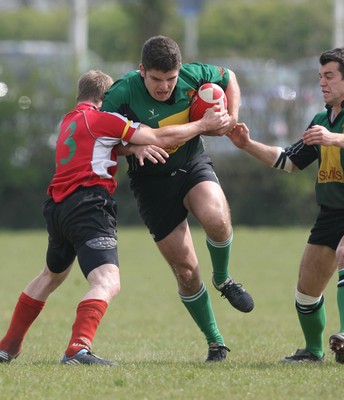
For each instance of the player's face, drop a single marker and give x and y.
(331, 84)
(160, 85)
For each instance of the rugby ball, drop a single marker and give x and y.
(208, 95)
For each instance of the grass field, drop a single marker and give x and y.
(147, 330)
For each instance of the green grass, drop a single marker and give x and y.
(148, 331)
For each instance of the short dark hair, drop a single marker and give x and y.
(161, 53)
(336, 55)
(92, 86)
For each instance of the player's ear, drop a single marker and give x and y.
(142, 70)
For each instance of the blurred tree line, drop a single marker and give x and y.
(271, 29)
(36, 92)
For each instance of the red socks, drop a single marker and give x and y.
(25, 312)
(88, 316)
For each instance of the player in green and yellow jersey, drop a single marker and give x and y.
(159, 94)
(323, 142)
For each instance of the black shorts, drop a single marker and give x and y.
(160, 197)
(83, 225)
(328, 228)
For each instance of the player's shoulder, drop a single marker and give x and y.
(199, 66)
(121, 91)
(196, 67)
(126, 80)
(321, 114)
(320, 118)
(203, 73)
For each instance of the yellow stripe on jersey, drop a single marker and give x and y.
(330, 169)
(125, 130)
(175, 119)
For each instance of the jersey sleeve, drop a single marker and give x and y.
(117, 126)
(301, 154)
(128, 131)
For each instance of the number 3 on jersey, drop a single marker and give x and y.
(70, 142)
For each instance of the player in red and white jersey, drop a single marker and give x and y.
(81, 216)
(85, 151)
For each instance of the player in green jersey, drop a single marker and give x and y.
(81, 215)
(323, 142)
(157, 94)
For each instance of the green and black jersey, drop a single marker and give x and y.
(329, 186)
(129, 97)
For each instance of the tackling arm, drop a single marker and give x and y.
(173, 135)
(272, 156)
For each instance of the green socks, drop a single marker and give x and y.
(219, 254)
(200, 308)
(340, 298)
(313, 319)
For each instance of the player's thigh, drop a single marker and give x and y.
(177, 247)
(207, 202)
(317, 266)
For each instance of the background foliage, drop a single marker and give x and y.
(276, 32)
(278, 29)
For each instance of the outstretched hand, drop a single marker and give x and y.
(239, 135)
(152, 153)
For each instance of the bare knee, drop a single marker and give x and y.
(221, 230)
(45, 283)
(218, 224)
(188, 278)
(110, 287)
(53, 279)
(104, 282)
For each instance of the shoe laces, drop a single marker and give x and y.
(232, 287)
(218, 346)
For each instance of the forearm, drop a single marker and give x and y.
(167, 136)
(262, 152)
(336, 139)
(272, 156)
(174, 135)
(233, 96)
